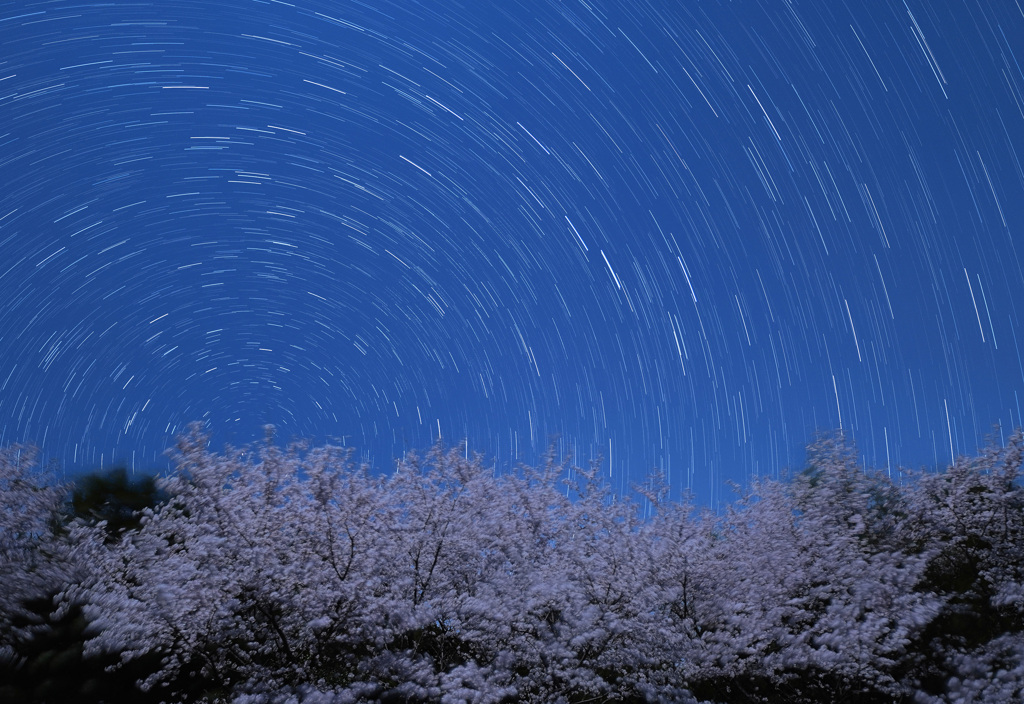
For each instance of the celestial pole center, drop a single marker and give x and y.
(684, 235)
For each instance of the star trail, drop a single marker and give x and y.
(681, 234)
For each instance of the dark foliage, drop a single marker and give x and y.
(115, 499)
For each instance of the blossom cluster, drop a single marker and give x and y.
(293, 575)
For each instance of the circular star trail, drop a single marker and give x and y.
(683, 235)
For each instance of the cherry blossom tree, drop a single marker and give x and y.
(31, 559)
(973, 516)
(291, 574)
(812, 594)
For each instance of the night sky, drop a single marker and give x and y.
(673, 233)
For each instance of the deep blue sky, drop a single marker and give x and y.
(675, 233)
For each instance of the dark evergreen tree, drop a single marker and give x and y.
(45, 659)
(114, 498)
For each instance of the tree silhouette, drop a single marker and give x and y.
(45, 660)
(114, 498)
